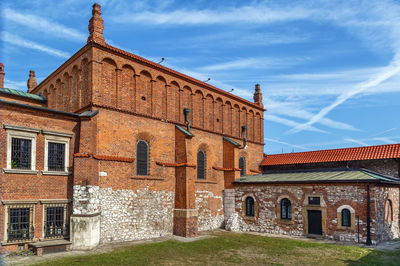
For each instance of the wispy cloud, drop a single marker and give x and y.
(14, 84)
(285, 143)
(255, 63)
(18, 41)
(246, 14)
(42, 24)
(288, 122)
(356, 141)
(383, 75)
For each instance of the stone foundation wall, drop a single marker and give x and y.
(210, 209)
(125, 214)
(387, 213)
(333, 198)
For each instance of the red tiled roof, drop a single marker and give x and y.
(336, 155)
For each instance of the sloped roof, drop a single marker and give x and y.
(318, 175)
(22, 94)
(336, 155)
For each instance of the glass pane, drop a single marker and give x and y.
(21, 153)
(56, 157)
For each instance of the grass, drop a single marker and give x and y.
(230, 248)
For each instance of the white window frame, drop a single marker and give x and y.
(22, 133)
(56, 139)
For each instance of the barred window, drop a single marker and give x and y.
(55, 226)
(201, 165)
(142, 160)
(56, 156)
(286, 209)
(242, 166)
(346, 218)
(19, 225)
(21, 153)
(249, 206)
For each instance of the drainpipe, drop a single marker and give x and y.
(186, 113)
(244, 128)
(368, 243)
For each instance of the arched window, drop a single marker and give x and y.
(142, 158)
(250, 206)
(201, 165)
(346, 217)
(242, 166)
(388, 211)
(286, 209)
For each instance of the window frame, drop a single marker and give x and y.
(243, 169)
(343, 218)
(65, 219)
(17, 205)
(205, 165)
(250, 213)
(147, 159)
(60, 140)
(21, 133)
(285, 209)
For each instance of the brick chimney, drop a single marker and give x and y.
(31, 81)
(2, 75)
(96, 26)
(258, 96)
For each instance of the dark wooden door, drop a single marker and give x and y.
(314, 222)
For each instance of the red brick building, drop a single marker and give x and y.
(114, 147)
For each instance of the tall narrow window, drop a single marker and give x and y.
(142, 160)
(242, 166)
(56, 157)
(201, 165)
(388, 211)
(249, 206)
(346, 220)
(21, 153)
(286, 209)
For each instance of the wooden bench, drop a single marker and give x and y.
(50, 246)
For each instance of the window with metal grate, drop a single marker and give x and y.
(21, 153)
(346, 218)
(56, 156)
(142, 158)
(55, 226)
(242, 166)
(201, 165)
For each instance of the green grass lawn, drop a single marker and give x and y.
(230, 248)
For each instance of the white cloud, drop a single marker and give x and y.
(288, 122)
(43, 25)
(285, 143)
(18, 41)
(247, 14)
(356, 141)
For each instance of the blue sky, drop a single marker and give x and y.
(329, 70)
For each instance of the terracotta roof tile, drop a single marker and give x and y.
(336, 155)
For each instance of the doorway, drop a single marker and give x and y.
(314, 222)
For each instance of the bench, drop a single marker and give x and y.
(50, 246)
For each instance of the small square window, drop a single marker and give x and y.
(314, 201)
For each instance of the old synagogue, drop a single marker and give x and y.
(113, 147)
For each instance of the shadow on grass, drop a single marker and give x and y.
(377, 257)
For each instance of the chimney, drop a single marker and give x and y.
(258, 96)
(2, 75)
(96, 26)
(31, 81)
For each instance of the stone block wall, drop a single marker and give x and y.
(334, 197)
(387, 213)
